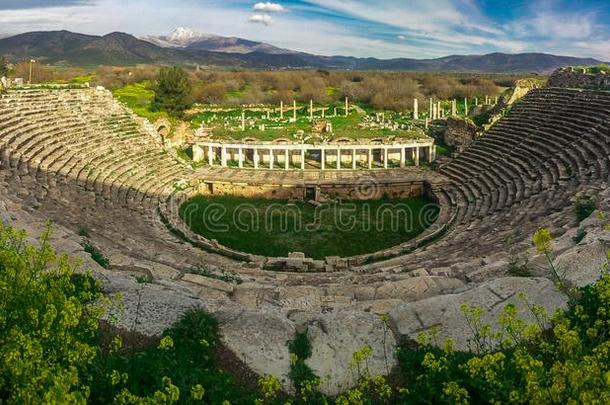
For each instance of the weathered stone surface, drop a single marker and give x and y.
(260, 340)
(583, 264)
(459, 132)
(208, 282)
(149, 308)
(444, 312)
(336, 336)
(414, 288)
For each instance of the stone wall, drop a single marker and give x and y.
(305, 192)
(579, 78)
(519, 90)
(459, 132)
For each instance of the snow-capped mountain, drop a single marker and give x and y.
(181, 37)
(187, 38)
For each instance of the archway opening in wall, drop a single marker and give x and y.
(311, 193)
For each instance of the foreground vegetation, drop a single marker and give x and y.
(278, 227)
(53, 350)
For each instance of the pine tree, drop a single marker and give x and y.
(171, 91)
(3, 66)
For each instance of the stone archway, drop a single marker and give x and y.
(163, 127)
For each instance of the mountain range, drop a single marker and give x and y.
(186, 47)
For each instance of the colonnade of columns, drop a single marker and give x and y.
(327, 156)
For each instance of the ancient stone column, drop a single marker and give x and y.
(303, 159)
(287, 159)
(338, 159)
(240, 158)
(402, 157)
(354, 159)
(294, 110)
(476, 101)
(466, 107)
(223, 156)
(210, 155)
(430, 111)
(370, 159)
(322, 159)
(255, 157)
(335, 112)
(311, 110)
(243, 121)
(453, 107)
(486, 100)
(438, 110)
(427, 122)
(416, 156)
(323, 109)
(268, 114)
(496, 100)
(197, 153)
(434, 112)
(346, 106)
(415, 110)
(281, 110)
(271, 158)
(385, 158)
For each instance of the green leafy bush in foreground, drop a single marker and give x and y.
(181, 368)
(48, 320)
(52, 351)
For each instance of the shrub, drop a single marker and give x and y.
(83, 231)
(48, 321)
(3, 66)
(584, 208)
(580, 235)
(183, 364)
(566, 363)
(97, 255)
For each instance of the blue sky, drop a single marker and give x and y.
(382, 28)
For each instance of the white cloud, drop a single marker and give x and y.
(268, 7)
(428, 32)
(264, 19)
(402, 37)
(548, 24)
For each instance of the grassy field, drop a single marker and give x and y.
(277, 227)
(138, 97)
(342, 126)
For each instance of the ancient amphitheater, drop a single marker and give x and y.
(79, 158)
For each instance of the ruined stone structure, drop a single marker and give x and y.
(81, 159)
(580, 79)
(460, 132)
(331, 155)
